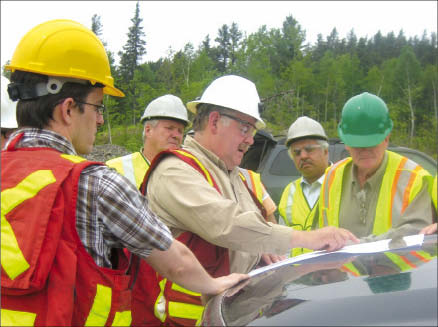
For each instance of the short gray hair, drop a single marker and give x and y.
(151, 122)
(203, 111)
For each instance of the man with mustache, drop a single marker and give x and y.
(200, 196)
(308, 148)
(374, 193)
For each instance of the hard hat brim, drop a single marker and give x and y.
(362, 141)
(192, 107)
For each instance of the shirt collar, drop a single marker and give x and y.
(190, 142)
(375, 179)
(318, 181)
(36, 137)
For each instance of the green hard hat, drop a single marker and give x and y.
(365, 121)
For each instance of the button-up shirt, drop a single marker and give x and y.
(110, 211)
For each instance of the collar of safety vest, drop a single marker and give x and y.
(190, 144)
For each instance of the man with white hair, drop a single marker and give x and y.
(164, 120)
(202, 199)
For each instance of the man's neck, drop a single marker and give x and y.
(149, 153)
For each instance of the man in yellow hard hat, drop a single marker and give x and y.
(374, 193)
(308, 148)
(65, 220)
(199, 194)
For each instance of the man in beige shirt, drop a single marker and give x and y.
(225, 218)
(226, 118)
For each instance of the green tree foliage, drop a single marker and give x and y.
(130, 58)
(294, 78)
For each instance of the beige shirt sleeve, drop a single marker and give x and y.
(185, 201)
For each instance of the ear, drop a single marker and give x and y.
(147, 129)
(65, 110)
(213, 121)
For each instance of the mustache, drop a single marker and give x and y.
(305, 161)
(243, 147)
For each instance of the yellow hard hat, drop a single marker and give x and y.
(64, 48)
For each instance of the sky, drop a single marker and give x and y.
(175, 23)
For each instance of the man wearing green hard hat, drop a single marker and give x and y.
(375, 192)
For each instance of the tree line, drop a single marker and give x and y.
(293, 78)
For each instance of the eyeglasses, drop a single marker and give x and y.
(308, 148)
(100, 108)
(246, 128)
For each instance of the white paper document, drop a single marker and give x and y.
(362, 248)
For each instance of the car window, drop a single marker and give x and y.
(421, 160)
(283, 165)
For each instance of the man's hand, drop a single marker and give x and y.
(272, 258)
(225, 282)
(432, 228)
(328, 238)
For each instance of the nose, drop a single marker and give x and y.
(99, 120)
(250, 139)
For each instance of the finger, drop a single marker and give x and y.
(267, 259)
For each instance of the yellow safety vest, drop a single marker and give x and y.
(253, 181)
(133, 166)
(401, 174)
(295, 210)
(433, 189)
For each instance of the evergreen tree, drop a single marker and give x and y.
(235, 37)
(134, 48)
(130, 58)
(96, 27)
(223, 39)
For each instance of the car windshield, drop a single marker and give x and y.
(336, 284)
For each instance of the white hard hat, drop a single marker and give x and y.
(305, 127)
(166, 106)
(8, 118)
(232, 92)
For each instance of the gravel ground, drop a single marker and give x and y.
(106, 152)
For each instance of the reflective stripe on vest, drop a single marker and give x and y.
(434, 191)
(17, 318)
(295, 210)
(401, 174)
(133, 166)
(407, 260)
(12, 259)
(160, 303)
(101, 308)
(204, 170)
(180, 309)
(432, 183)
(253, 181)
(349, 267)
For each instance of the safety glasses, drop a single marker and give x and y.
(246, 128)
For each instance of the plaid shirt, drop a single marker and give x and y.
(110, 211)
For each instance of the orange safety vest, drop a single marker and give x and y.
(151, 290)
(47, 277)
(169, 302)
